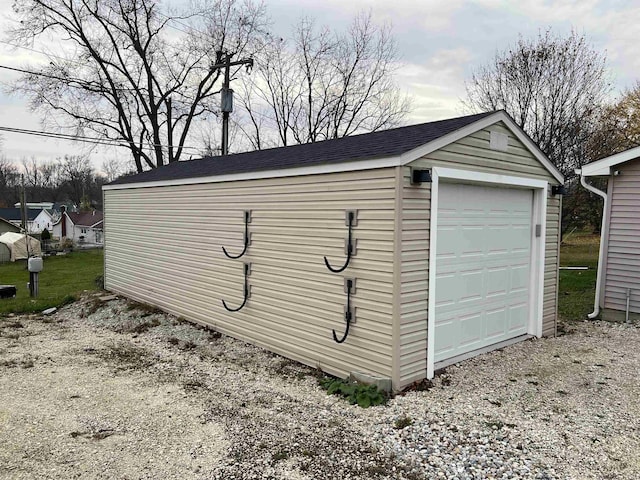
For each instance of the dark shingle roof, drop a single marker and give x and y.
(367, 146)
(14, 213)
(85, 219)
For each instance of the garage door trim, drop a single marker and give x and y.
(540, 188)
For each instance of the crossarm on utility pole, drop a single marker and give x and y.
(227, 93)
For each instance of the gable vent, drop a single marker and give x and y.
(499, 141)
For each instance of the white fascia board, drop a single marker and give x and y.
(603, 166)
(533, 148)
(472, 128)
(445, 140)
(285, 172)
(482, 177)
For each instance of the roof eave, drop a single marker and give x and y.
(356, 165)
(603, 167)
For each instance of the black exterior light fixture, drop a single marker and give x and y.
(559, 190)
(419, 176)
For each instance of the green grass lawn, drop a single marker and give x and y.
(577, 287)
(66, 276)
(63, 277)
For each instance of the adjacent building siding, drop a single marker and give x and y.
(622, 269)
(163, 247)
(473, 153)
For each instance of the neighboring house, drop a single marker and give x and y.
(45, 219)
(454, 227)
(618, 281)
(80, 227)
(7, 226)
(14, 216)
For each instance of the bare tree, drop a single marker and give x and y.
(552, 86)
(31, 172)
(9, 182)
(322, 84)
(114, 167)
(129, 72)
(77, 174)
(618, 128)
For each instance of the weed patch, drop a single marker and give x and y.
(402, 422)
(364, 395)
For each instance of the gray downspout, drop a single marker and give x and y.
(605, 221)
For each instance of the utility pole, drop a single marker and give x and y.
(226, 101)
(24, 214)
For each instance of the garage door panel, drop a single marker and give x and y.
(482, 267)
(446, 294)
(471, 330)
(471, 284)
(518, 318)
(519, 278)
(497, 323)
(497, 281)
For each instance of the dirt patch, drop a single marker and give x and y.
(119, 392)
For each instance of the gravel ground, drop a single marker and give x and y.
(117, 390)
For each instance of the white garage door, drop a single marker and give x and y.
(482, 267)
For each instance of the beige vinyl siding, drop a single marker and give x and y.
(163, 247)
(414, 279)
(473, 152)
(470, 153)
(551, 266)
(622, 269)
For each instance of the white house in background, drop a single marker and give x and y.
(36, 205)
(45, 219)
(14, 216)
(81, 228)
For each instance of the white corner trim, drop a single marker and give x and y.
(431, 302)
(603, 166)
(258, 175)
(538, 257)
(538, 247)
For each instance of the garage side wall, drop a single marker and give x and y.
(414, 279)
(622, 270)
(163, 247)
(470, 153)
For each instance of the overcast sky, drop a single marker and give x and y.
(440, 42)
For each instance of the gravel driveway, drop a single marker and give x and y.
(120, 391)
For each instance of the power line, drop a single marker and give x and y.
(78, 138)
(42, 52)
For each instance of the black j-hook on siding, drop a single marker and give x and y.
(348, 314)
(350, 249)
(247, 267)
(247, 214)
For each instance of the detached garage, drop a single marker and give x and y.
(391, 254)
